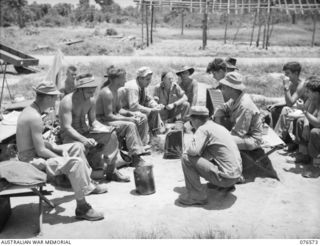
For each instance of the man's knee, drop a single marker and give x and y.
(188, 160)
(315, 134)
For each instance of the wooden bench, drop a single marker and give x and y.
(19, 191)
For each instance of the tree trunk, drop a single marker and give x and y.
(259, 32)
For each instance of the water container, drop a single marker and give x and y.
(143, 178)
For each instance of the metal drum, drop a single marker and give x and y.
(143, 178)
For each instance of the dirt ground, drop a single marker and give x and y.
(265, 208)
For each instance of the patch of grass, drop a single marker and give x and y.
(158, 233)
(211, 234)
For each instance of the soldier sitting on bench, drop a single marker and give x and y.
(55, 159)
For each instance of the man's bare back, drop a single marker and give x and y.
(28, 119)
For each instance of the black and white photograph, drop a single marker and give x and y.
(144, 120)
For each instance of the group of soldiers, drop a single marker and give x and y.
(94, 124)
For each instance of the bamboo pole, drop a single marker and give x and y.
(205, 27)
(301, 8)
(264, 33)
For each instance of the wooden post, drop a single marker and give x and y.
(260, 23)
(142, 21)
(314, 18)
(151, 24)
(226, 28)
(253, 25)
(182, 21)
(147, 26)
(205, 27)
(268, 25)
(264, 33)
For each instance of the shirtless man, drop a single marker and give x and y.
(55, 159)
(189, 85)
(100, 141)
(69, 85)
(294, 88)
(126, 123)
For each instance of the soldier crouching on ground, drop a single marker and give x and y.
(213, 155)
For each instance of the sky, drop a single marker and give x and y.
(122, 3)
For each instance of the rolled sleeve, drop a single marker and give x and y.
(242, 123)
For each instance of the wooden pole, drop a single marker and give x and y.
(260, 24)
(205, 27)
(182, 21)
(253, 25)
(314, 29)
(147, 26)
(264, 33)
(142, 22)
(151, 24)
(268, 24)
(226, 28)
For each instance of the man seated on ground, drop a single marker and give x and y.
(212, 155)
(170, 94)
(74, 108)
(188, 85)
(308, 128)
(69, 83)
(108, 111)
(294, 88)
(240, 114)
(135, 98)
(55, 159)
(219, 68)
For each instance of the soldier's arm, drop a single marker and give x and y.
(65, 112)
(36, 127)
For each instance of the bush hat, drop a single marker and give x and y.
(185, 68)
(233, 80)
(86, 82)
(231, 61)
(46, 88)
(144, 71)
(199, 111)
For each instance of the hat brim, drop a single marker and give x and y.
(50, 93)
(240, 87)
(89, 85)
(229, 65)
(191, 71)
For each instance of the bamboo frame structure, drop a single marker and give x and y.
(228, 7)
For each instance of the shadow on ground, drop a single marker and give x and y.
(217, 200)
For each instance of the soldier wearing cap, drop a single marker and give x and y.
(55, 159)
(219, 67)
(109, 111)
(243, 116)
(135, 98)
(188, 85)
(100, 141)
(170, 94)
(212, 155)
